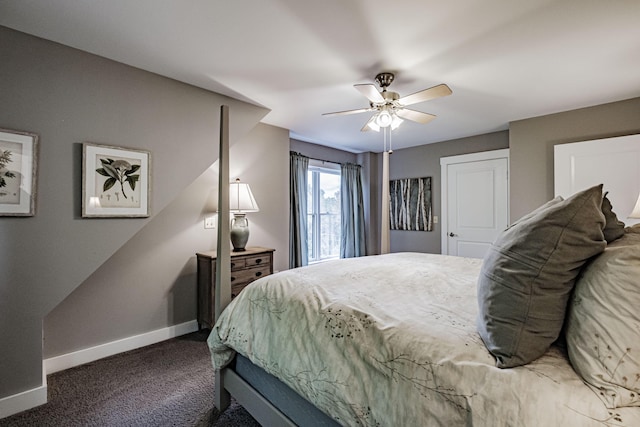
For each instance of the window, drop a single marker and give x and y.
(323, 210)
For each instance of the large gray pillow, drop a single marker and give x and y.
(613, 228)
(603, 323)
(529, 272)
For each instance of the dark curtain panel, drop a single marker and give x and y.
(298, 251)
(352, 217)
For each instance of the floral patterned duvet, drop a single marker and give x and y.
(391, 340)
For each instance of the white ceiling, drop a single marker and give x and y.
(504, 60)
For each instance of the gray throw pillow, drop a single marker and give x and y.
(529, 272)
(613, 229)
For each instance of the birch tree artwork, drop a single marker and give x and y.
(410, 204)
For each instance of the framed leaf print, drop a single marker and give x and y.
(18, 161)
(115, 181)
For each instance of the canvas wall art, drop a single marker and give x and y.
(18, 161)
(410, 204)
(116, 181)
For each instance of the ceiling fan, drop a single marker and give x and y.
(390, 107)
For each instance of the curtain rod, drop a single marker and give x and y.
(325, 161)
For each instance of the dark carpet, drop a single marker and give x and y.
(165, 384)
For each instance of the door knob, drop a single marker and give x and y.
(452, 235)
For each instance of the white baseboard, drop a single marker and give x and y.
(26, 400)
(76, 358)
(38, 396)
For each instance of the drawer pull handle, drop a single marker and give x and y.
(233, 278)
(233, 295)
(259, 261)
(233, 264)
(258, 273)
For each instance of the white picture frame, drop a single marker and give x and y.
(18, 172)
(116, 182)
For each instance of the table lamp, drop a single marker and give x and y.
(241, 201)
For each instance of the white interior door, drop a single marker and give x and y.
(475, 199)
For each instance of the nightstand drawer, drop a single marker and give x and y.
(256, 260)
(248, 275)
(238, 264)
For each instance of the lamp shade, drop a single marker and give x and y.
(384, 119)
(371, 124)
(241, 199)
(395, 122)
(636, 210)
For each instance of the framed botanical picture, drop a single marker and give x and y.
(18, 161)
(115, 181)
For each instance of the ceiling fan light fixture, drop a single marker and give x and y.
(373, 126)
(384, 119)
(395, 122)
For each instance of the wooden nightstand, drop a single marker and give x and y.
(246, 266)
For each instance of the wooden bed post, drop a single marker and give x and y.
(223, 260)
(227, 381)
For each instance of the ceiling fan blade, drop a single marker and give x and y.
(425, 95)
(370, 92)
(343, 113)
(415, 116)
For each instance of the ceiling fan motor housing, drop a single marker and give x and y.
(384, 79)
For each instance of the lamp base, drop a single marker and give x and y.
(239, 232)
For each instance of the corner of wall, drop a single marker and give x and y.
(25, 400)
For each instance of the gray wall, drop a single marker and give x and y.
(156, 269)
(67, 97)
(371, 187)
(424, 160)
(262, 160)
(531, 143)
(321, 152)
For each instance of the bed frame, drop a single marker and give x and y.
(228, 382)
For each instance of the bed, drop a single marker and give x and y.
(396, 344)
(413, 339)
